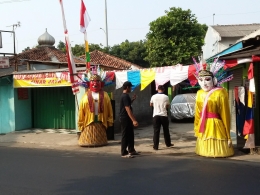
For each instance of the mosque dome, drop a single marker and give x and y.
(46, 39)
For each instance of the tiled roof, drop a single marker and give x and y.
(101, 58)
(51, 55)
(239, 30)
(44, 54)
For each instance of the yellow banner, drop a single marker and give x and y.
(41, 80)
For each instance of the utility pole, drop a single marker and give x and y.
(15, 56)
(106, 23)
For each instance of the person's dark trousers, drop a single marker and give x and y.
(127, 141)
(157, 122)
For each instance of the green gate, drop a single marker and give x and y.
(53, 107)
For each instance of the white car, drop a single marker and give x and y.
(183, 106)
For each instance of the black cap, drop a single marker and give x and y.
(127, 84)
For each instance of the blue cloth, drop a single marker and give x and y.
(134, 77)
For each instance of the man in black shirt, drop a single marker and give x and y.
(127, 121)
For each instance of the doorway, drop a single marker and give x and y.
(53, 107)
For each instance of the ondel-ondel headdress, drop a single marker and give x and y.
(215, 69)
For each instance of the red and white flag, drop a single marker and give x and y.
(84, 18)
(71, 63)
(84, 22)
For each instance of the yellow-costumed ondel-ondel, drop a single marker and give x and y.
(95, 111)
(212, 112)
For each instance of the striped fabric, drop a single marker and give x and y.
(71, 63)
(248, 130)
(84, 22)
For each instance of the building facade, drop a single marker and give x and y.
(221, 37)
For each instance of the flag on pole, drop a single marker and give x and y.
(84, 22)
(71, 63)
(1, 40)
(248, 130)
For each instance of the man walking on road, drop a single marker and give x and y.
(160, 103)
(127, 121)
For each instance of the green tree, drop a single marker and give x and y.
(26, 49)
(61, 46)
(134, 52)
(93, 47)
(205, 27)
(78, 50)
(174, 38)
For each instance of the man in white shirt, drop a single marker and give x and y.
(160, 103)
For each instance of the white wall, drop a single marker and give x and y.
(43, 67)
(214, 44)
(211, 40)
(227, 42)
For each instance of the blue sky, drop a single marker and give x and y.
(127, 19)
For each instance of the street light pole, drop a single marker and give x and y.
(103, 30)
(15, 56)
(106, 23)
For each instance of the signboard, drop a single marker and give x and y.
(54, 79)
(4, 62)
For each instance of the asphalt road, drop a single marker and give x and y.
(39, 172)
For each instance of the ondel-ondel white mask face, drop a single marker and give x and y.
(206, 83)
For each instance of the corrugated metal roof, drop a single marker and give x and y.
(239, 30)
(246, 52)
(251, 35)
(10, 70)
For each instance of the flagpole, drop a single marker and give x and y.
(106, 23)
(87, 54)
(84, 21)
(70, 57)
